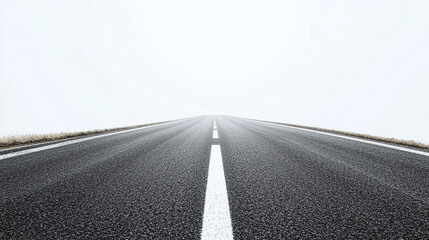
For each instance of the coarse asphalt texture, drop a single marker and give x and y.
(282, 183)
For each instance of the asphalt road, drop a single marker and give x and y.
(151, 183)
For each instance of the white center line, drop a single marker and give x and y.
(216, 218)
(215, 134)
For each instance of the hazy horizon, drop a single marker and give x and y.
(360, 66)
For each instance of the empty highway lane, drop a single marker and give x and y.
(215, 178)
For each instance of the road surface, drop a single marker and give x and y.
(235, 178)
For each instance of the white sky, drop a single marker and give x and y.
(360, 66)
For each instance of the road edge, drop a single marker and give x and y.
(43, 141)
(394, 141)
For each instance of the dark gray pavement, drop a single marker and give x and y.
(142, 184)
(282, 183)
(285, 183)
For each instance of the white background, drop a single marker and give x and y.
(360, 66)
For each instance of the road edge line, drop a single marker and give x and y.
(73, 141)
(355, 139)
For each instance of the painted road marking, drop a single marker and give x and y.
(65, 143)
(360, 140)
(216, 218)
(215, 134)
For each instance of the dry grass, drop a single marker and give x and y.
(29, 139)
(409, 143)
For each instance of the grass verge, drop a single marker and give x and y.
(409, 143)
(31, 139)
